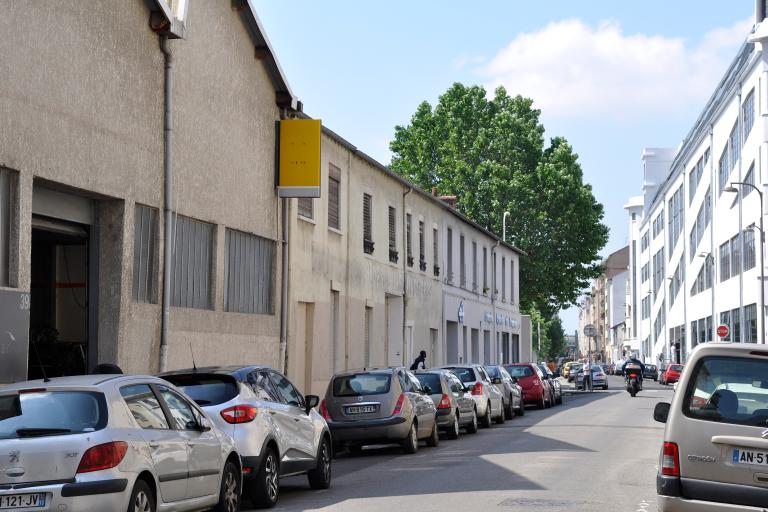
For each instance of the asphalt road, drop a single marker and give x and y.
(597, 451)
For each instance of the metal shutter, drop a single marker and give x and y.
(192, 257)
(249, 273)
(144, 258)
(334, 192)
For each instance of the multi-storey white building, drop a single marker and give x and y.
(694, 234)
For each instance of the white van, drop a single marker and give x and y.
(715, 452)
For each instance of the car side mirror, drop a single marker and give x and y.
(496, 380)
(204, 425)
(427, 390)
(514, 380)
(661, 412)
(311, 402)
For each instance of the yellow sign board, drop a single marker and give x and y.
(299, 173)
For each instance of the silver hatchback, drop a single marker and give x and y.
(488, 399)
(455, 407)
(105, 442)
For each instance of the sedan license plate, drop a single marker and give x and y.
(750, 457)
(15, 501)
(361, 409)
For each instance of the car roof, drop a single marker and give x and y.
(228, 370)
(355, 371)
(74, 381)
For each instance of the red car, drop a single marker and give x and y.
(535, 391)
(672, 374)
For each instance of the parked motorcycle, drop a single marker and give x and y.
(633, 378)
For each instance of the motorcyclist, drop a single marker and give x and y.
(634, 361)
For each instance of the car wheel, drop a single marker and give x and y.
(509, 411)
(472, 427)
(486, 421)
(411, 441)
(521, 410)
(264, 490)
(434, 438)
(142, 499)
(542, 404)
(229, 494)
(499, 419)
(560, 399)
(454, 432)
(320, 476)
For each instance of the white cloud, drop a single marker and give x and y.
(571, 69)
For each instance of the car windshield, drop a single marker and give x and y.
(41, 413)
(206, 389)
(650, 367)
(520, 371)
(576, 368)
(361, 384)
(493, 371)
(729, 390)
(464, 374)
(432, 380)
(596, 368)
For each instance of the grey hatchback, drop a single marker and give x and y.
(455, 405)
(378, 406)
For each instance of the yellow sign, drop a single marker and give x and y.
(299, 174)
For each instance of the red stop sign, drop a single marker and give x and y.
(722, 331)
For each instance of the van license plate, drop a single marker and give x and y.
(361, 409)
(14, 501)
(753, 457)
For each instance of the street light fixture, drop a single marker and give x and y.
(732, 188)
(504, 226)
(707, 256)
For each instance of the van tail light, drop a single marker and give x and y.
(399, 405)
(324, 411)
(102, 456)
(239, 414)
(445, 403)
(670, 460)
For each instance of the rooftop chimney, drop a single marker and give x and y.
(450, 200)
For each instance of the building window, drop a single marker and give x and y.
(694, 178)
(474, 265)
(512, 297)
(367, 226)
(725, 261)
(192, 263)
(334, 197)
(422, 255)
(748, 114)
(749, 249)
(676, 212)
(644, 242)
(449, 256)
(736, 255)
(393, 256)
(306, 207)
(435, 246)
(658, 271)
(408, 246)
(722, 171)
(249, 273)
(485, 270)
(462, 263)
(495, 277)
(503, 279)
(644, 274)
(145, 254)
(745, 190)
(750, 323)
(676, 282)
(646, 308)
(733, 141)
(735, 333)
(658, 224)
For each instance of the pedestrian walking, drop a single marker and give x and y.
(420, 362)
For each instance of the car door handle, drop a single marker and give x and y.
(154, 444)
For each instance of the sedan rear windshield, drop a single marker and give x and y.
(45, 413)
(362, 384)
(676, 368)
(432, 380)
(729, 390)
(464, 374)
(520, 371)
(206, 389)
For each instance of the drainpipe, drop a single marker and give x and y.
(493, 300)
(168, 198)
(285, 233)
(405, 279)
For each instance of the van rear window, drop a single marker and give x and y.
(361, 384)
(729, 390)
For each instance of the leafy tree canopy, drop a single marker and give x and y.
(490, 153)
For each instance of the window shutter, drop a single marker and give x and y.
(334, 192)
(367, 217)
(306, 207)
(392, 229)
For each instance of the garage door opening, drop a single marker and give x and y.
(60, 293)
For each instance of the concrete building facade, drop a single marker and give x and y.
(697, 229)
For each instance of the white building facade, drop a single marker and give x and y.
(694, 234)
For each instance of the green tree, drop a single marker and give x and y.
(490, 154)
(556, 335)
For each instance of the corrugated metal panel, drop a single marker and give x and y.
(192, 257)
(144, 258)
(249, 273)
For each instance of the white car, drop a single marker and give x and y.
(489, 400)
(276, 430)
(112, 442)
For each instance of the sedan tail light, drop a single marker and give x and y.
(445, 403)
(670, 460)
(239, 414)
(324, 411)
(399, 405)
(477, 389)
(102, 456)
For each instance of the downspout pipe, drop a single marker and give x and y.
(493, 300)
(168, 197)
(405, 281)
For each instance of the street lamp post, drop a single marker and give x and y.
(731, 188)
(504, 227)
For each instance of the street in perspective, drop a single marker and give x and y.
(322, 256)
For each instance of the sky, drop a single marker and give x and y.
(610, 76)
